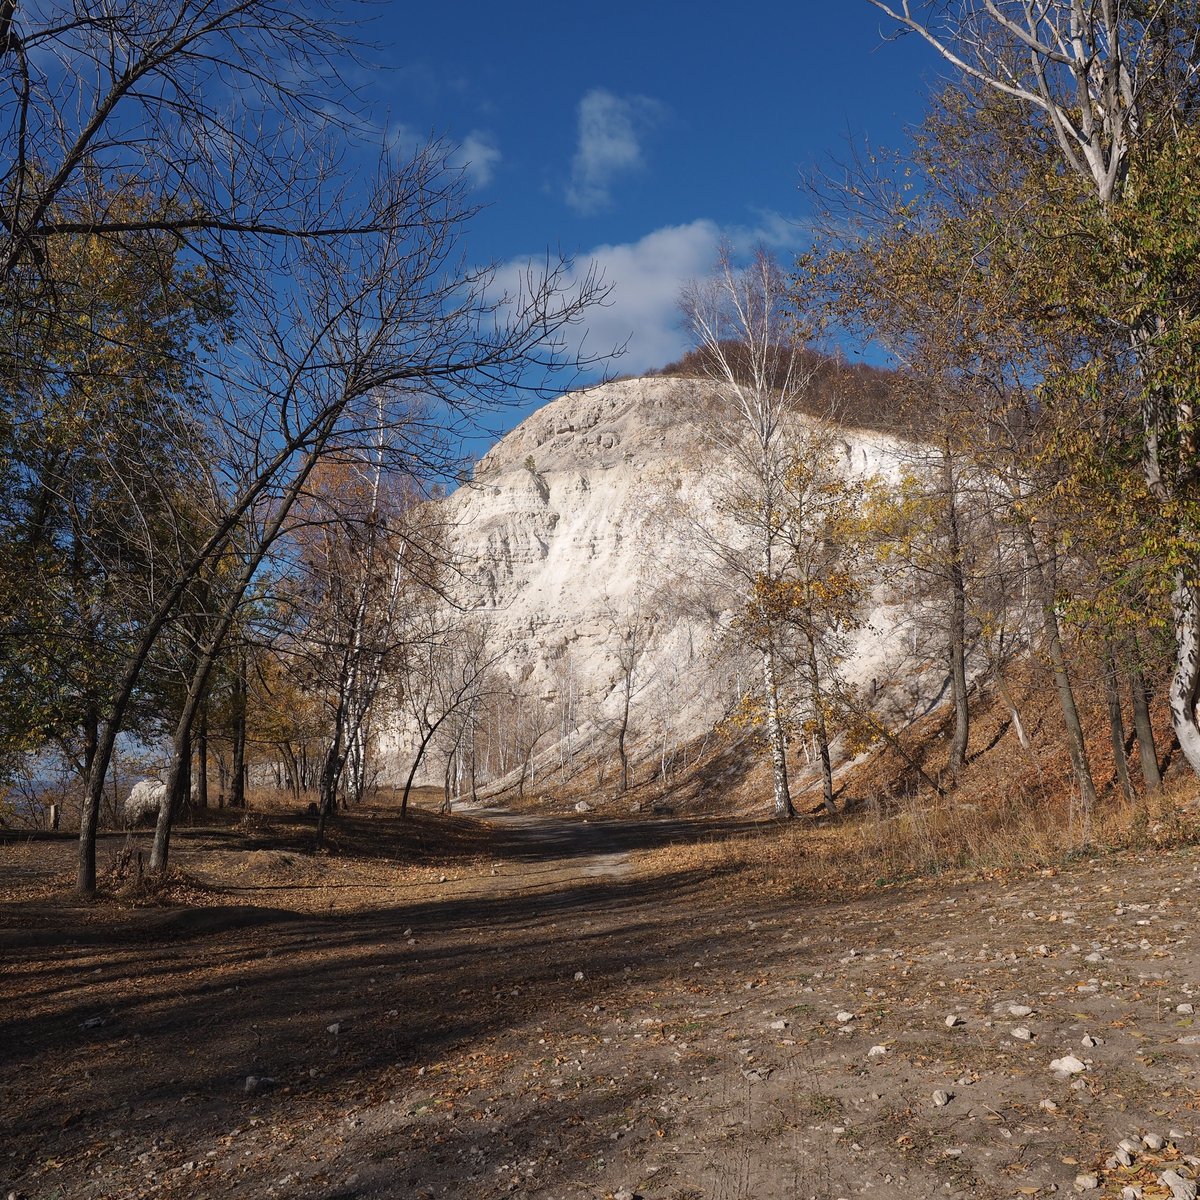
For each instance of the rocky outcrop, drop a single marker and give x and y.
(561, 538)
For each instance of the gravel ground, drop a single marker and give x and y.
(544, 1018)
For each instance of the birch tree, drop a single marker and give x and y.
(741, 321)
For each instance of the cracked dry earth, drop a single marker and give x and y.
(572, 1026)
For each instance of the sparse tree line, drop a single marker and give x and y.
(1030, 261)
(1034, 264)
(207, 312)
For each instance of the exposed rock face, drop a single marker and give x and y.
(562, 533)
(561, 524)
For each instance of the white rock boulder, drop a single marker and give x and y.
(144, 800)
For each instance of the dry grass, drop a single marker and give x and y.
(1012, 809)
(926, 836)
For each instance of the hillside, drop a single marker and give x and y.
(567, 558)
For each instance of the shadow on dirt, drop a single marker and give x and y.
(163, 1028)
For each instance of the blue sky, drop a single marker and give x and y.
(639, 134)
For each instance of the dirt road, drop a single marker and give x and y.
(555, 1022)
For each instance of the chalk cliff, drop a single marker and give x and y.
(562, 542)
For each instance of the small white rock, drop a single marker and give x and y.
(1124, 1158)
(941, 1098)
(778, 1025)
(1067, 1065)
(877, 1052)
(1153, 1142)
(1090, 1042)
(1181, 1189)
(578, 976)
(1129, 1146)
(843, 1017)
(1087, 1182)
(1185, 1010)
(1019, 1010)
(1022, 1034)
(1048, 1106)
(954, 1019)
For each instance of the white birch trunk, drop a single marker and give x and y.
(775, 736)
(1185, 685)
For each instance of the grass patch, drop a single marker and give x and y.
(927, 836)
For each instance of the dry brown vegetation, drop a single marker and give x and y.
(422, 996)
(854, 394)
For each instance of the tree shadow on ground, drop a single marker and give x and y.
(192, 1003)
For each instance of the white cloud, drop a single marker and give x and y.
(646, 277)
(611, 129)
(478, 156)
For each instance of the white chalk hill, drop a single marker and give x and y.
(562, 542)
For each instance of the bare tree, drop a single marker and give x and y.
(741, 321)
(363, 553)
(629, 628)
(447, 671)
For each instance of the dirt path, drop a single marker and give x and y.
(555, 1023)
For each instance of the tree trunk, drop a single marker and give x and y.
(958, 625)
(1010, 704)
(1185, 684)
(1116, 720)
(1052, 637)
(447, 784)
(1147, 751)
(1184, 693)
(89, 816)
(202, 761)
(237, 780)
(179, 777)
(412, 771)
(818, 707)
(291, 769)
(775, 736)
(623, 756)
(1076, 744)
(178, 780)
(335, 760)
(474, 784)
(331, 773)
